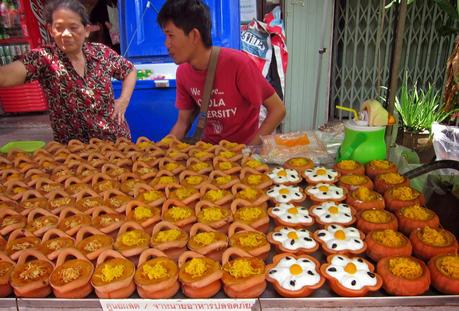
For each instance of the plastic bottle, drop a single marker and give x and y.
(12, 15)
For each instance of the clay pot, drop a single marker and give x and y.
(253, 178)
(238, 232)
(30, 279)
(223, 180)
(154, 286)
(108, 284)
(131, 240)
(20, 240)
(242, 212)
(6, 268)
(72, 219)
(207, 241)
(167, 214)
(92, 246)
(145, 215)
(53, 240)
(160, 239)
(250, 195)
(11, 220)
(204, 284)
(71, 278)
(250, 286)
(214, 216)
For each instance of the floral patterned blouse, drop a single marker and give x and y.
(80, 108)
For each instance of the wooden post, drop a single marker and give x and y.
(395, 64)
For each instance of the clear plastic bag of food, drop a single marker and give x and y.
(278, 148)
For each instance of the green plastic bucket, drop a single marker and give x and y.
(24, 145)
(362, 143)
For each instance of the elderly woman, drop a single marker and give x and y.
(76, 77)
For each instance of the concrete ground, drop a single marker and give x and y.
(30, 126)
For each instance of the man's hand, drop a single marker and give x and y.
(120, 109)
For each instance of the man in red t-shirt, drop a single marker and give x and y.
(239, 88)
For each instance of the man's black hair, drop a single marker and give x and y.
(71, 5)
(187, 15)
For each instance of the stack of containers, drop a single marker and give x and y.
(152, 111)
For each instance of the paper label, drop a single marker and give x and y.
(176, 304)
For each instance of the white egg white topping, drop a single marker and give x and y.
(292, 214)
(339, 238)
(281, 175)
(294, 239)
(321, 174)
(331, 212)
(285, 194)
(352, 273)
(294, 274)
(326, 192)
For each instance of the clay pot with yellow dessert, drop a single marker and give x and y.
(384, 182)
(214, 216)
(144, 170)
(173, 166)
(113, 276)
(377, 167)
(72, 219)
(201, 155)
(107, 220)
(404, 275)
(248, 239)
(71, 277)
(387, 242)
(199, 167)
(169, 238)
(349, 167)
(222, 154)
(254, 179)
(200, 275)
(145, 193)
(58, 200)
(131, 240)
(187, 195)
(250, 195)
(201, 145)
(92, 242)
(11, 220)
(74, 185)
(416, 216)
(190, 179)
(207, 241)
(363, 198)
(403, 196)
(252, 215)
(128, 181)
(54, 240)
(428, 242)
(300, 164)
(6, 268)
(243, 277)
(376, 219)
(216, 196)
(231, 146)
(20, 240)
(45, 185)
(225, 166)
(87, 201)
(39, 221)
(353, 182)
(30, 279)
(222, 180)
(444, 272)
(164, 179)
(145, 215)
(102, 182)
(32, 199)
(178, 213)
(176, 156)
(156, 276)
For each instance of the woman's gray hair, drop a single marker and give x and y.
(71, 5)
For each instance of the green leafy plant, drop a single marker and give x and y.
(418, 108)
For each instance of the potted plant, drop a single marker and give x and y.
(418, 110)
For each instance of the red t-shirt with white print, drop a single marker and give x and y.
(239, 90)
